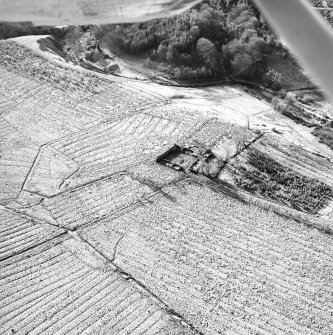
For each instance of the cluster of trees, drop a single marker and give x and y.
(269, 178)
(217, 38)
(325, 134)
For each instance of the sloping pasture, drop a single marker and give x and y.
(55, 292)
(227, 266)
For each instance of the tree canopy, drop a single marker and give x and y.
(218, 38)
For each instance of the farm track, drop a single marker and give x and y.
(97, 238)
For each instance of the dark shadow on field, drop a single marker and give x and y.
(157, 188)
(219, 187)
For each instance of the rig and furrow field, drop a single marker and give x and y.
(97, 236)
(57, 293)
(94, 201)
(17, 154)
(112, 147)
(242, 269)
(19, 233)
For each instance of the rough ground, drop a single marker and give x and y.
(97, 238)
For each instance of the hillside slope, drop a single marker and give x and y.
(97, 237)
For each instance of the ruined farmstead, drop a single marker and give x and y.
(189, 159)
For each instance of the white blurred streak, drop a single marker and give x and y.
(306, 34)
(66, 12)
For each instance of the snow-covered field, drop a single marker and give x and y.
(97, 238)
